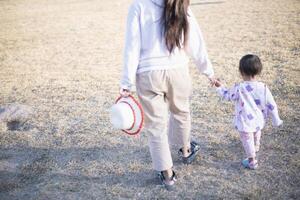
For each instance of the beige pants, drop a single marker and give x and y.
(161, 91)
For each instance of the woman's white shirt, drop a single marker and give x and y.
(145, 47)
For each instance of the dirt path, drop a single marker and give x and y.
(63, 59)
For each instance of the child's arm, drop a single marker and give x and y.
(227, 94)
(272, 108)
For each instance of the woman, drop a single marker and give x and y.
(160, 36)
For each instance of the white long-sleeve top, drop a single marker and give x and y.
(145, 47)
(253, 104)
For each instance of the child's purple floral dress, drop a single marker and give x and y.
(253, 104)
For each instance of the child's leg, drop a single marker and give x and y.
(248, 144)
(257, 136)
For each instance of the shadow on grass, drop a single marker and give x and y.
(24, 169)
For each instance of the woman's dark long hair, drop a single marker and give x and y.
(176, 26)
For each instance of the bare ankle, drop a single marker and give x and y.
(168, 174)
(186, 151)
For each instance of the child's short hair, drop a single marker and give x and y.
(250, 65)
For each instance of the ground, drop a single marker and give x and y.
(63, 58)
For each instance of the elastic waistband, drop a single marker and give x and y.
(162, 63)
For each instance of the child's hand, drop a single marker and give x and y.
(218, 83)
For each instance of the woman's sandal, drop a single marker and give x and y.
(193, 152)
(169, 185)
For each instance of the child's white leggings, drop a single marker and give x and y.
(251, 142)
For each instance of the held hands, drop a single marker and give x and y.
(215, 82)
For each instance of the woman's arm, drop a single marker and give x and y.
(132, 48)
(196, 47)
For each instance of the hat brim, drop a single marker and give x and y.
(138, 114)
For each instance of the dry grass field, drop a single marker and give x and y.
(63, 59)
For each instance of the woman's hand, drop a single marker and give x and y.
(124, 92)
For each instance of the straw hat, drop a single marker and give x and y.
(127, 115)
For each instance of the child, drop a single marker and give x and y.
(253, 102)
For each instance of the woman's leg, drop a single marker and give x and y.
(151, 89)
(180, 119)
(179, 132)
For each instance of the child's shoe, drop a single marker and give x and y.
(250, 165)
